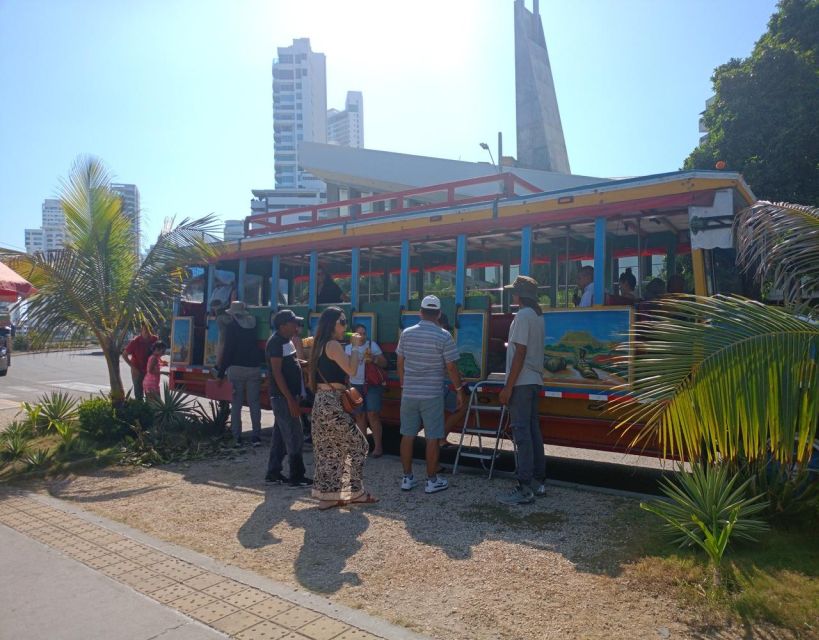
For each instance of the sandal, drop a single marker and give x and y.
(331, 505)
(368, 498)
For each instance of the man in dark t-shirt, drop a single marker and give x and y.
(285, 392)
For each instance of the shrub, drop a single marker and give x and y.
(173, 410)
(20, 343)
(14, 441)
(98, 422)
(57, 407)
(134, 412)
(706, 509)
(37, 459)
(215, 419)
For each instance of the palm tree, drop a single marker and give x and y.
(97, 284)
(727, 378)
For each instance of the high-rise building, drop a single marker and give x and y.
(539, 131)
(35, 241)
(234, 230)
(347, 127)
(52, 233)
(130, 207)
(299, 111)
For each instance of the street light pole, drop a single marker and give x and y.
(486, 147)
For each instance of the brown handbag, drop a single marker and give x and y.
(350, 397)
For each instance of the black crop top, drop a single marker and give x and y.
(329, 371)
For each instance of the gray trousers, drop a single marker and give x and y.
(288, 437)
(523, 416)
(247, 382)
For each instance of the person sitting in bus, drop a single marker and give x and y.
(328, 291)
(628, 285)
(676, 284)
(585, 283)
(655, 289)
(370, 411)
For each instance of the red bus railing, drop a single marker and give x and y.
(398, 203)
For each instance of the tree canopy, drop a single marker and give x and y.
(763, 120)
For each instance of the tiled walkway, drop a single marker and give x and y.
(228, 605)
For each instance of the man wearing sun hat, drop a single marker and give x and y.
(241, 359)
(424, 351)
(524, 380)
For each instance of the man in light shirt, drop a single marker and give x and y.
(521, 393)
(585, 282)
(424, 351)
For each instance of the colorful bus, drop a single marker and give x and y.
(464, 241)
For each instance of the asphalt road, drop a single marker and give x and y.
(83, 373)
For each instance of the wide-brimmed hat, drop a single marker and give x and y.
(237, 308)
(524, 286)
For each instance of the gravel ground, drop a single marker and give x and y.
(452, 565)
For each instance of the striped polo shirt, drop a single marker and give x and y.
(426, 349)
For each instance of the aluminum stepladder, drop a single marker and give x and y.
(474, 410)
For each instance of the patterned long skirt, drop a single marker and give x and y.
(339, 450)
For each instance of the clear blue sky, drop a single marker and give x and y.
(175, 95)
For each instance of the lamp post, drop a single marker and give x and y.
(486, 147)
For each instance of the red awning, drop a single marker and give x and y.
(13, 285)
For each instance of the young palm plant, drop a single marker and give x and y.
(57, 407)
(730, 379)
(97, 285)
(706, 508)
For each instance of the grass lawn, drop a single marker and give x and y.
(774, 580)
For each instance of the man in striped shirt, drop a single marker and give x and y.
(424, 352)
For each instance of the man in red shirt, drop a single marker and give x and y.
(136, 355)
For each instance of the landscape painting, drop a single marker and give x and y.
(471, 337)
(211, 342)
(181, 340)
(582, 347)
(368, 320)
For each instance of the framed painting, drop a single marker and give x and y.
(408, 319)
(472, 340)
(584, 347)
(181, 340)
(369, 321)
(211, 342)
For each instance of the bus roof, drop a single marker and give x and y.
(648, 196)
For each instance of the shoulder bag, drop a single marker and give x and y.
(351, 399)
(374, 376)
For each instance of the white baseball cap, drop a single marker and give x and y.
(431, 302)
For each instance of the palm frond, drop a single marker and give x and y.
(725, 378)
(69, 300)
(780, 243)
(162, 273)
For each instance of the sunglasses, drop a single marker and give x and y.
(342, 322)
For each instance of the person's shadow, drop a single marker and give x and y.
(331, 538)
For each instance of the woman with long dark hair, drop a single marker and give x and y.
(339, 447)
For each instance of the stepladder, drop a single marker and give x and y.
(485, 423)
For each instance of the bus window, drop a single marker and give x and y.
(724, 277)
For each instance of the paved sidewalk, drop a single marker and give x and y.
(92, 578)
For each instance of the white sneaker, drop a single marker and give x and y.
(408, 483)
(438, 484)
